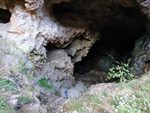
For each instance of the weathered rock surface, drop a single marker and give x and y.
(71, 28)
(58, 69)
(145, 8)
(32, 27)
(141, 54)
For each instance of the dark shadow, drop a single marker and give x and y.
(118, 36)
(4, 16)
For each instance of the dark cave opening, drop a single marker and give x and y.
(117, 39)
(5, 16)
(119, 27)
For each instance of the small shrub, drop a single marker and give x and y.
(5, 107)
(2, 103)
(120, 71)
(44, 83)
(7, 84)
(105, 94)
(25, 99)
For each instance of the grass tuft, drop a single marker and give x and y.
(44, 83)
(25, 99)
(7, 84)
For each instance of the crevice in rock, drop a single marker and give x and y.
(4, 16)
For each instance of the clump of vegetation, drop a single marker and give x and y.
(44, 83)
(25, 99)
(131, 103)
(5, 107)
(86, 104)
(137, 101)
(121, 72)
(7, 84)
(37, 58)
(130, 97)
(2, 103)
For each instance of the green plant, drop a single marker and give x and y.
(131, 103)
(25, 99)
(7, 84)
(121, 71)
(5, 107)
(105, 94)
(37, 58)
(86, 104)
(44, 83)
(2, 103)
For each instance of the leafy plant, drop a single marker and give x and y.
(105, 94)
(37, 58)
(25, 99)
(7, 84)
(5, 107)
(121, 71)
(2, 103)
(44, 83)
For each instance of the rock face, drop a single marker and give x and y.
(141, 54)
(58, 69)
(63, 31)
(32, 26)
(145, 8)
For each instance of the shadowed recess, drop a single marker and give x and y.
(119, 26)
(4, 16)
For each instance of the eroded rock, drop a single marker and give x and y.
(58, 69)
(141, 54)
(71, 28)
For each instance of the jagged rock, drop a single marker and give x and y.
(32, 28)
(80, 47)
(58, 69)
(71, 28)
(145, 8)
(141, 54)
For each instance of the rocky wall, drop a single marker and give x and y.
(34, 24)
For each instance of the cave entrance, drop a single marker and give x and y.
(119, 26)
(118, 36)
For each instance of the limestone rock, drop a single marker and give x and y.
(80, 47)
(145, 7)
(58, 69)
(33, 27)
(141, 54)
(69, 27)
